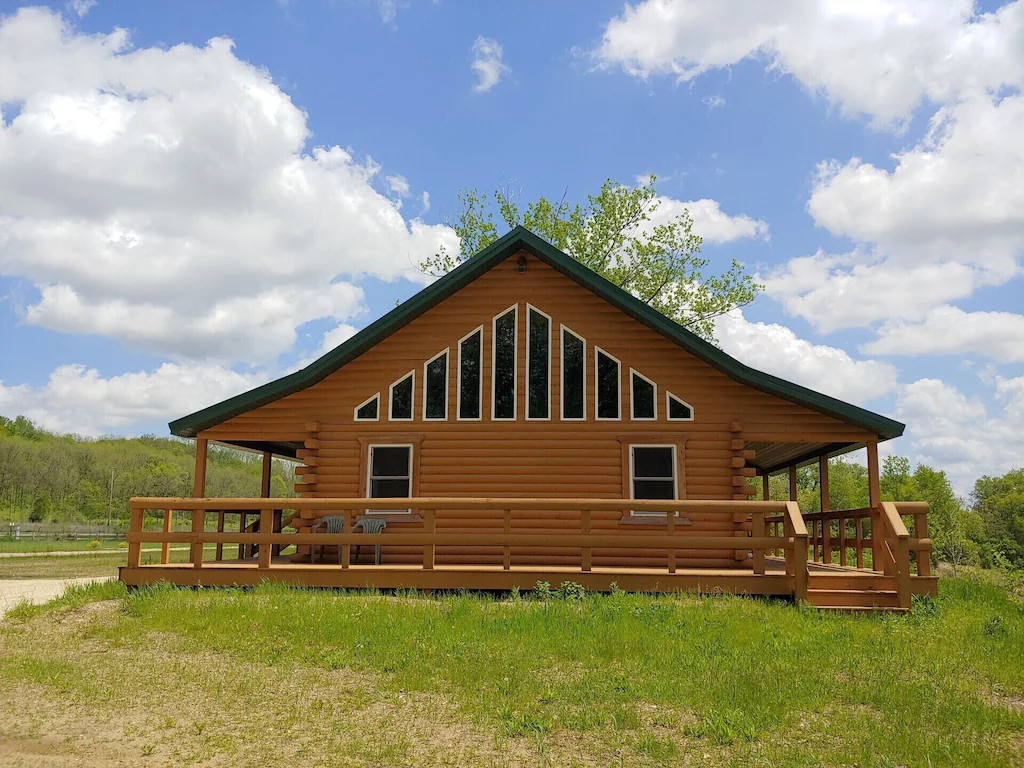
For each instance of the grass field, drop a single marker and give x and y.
(273, 675)
(54, 545)
(96, 564)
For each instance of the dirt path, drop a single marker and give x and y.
(14, 591)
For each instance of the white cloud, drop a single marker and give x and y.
(173, 186)
(949, 330)
(487, 63)
(957, 434)
(946, 220)
(397, 184)
(81, 7)
(425, 201)
(710, 221)
(79, 400)
(388, 9)
(713, 102)
(879, 57)
(778, 350)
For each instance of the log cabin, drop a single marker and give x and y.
(522, 419)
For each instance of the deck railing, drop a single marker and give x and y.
(747, 520)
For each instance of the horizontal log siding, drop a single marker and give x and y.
(534, 458)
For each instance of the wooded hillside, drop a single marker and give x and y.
(63, 478)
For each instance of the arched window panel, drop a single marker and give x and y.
(503, 365)
(643, 397)
(538, 364)
(471, 381)
(677, 409)
(607, 390)
(369, 409)
(574, 376)
(400, 397)
(435, 387)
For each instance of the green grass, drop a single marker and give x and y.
(53, 545)
(74, 566)
(470, 680)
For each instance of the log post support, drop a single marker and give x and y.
(670, 531)
(757, 531)
(826, 524)
(165, 547)
(266, 551)
(198, 491)
(346, 549)
(878, 560)
(135, 522)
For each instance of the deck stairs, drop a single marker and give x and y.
(853, 591)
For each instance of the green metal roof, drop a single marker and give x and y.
(516, 240)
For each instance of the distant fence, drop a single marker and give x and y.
(60, 532)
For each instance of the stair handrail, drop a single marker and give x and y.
(796, 557)
(895, 532)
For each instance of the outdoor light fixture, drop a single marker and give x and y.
(521, 264)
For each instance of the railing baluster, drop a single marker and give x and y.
(165, 547)
(757, 531)
(346, 527)
(266, 551)
(860, 541)
(198, 526)
(220, 529)
(136, 517)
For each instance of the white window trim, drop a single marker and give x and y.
(561, 374)
(412, 409)
(632, 402)
(515, 362)
(447, 369)
(367, 401)
(597, 383)
(669, 397)
(531, 308)
(369, 474)
(675, 476)
(480, 382)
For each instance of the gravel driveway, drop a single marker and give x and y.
(14, 591)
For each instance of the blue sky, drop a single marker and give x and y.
(866, 161)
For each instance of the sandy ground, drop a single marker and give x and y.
(14, 591)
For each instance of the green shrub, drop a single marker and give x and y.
(94, 544)
(542, 591)
(122, 545)
(572, 591)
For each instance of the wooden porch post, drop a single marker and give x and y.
(792, 482)
(826, 525)
(766, 492)
(268, 463)
(875, 501)
(198, 492)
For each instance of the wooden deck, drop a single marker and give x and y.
(771, 548)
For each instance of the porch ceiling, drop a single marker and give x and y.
(772, 457)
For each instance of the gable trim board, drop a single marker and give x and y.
(521, 239)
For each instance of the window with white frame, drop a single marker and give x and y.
(470, 392)
(538, 364)
(574, 376)
(400, 395)
(369, 409)
(503, 365)
(653, 472)
(389, 473)
(435, 387)
(677, 410)
(643, 397)
(607, 397)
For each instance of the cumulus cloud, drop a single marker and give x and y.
(949, 330)
(487, 63)
(80, 400)
(166, 197)
(778, 350)
(879, 58)
(709, 220)
(947, 429)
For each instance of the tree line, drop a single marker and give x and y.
(45, 477)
